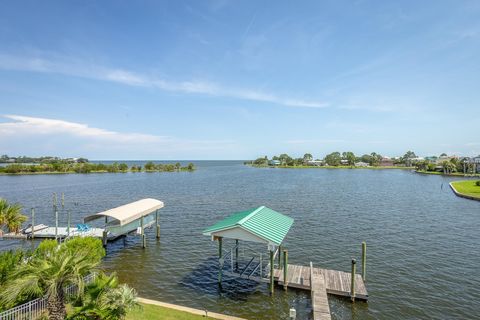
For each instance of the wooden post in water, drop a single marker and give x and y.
(144, 241)
(69, 220)
(105, 233)
(279, 257)
(364, 261)
(271, 272)
(33, 223)
(56, 223)
(220, 260)
(285, 267)
(158, 224)
(352, 286)
(236, 254)
(63, 200)
(104, 238)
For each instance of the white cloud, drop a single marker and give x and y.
(26, 135)
(23, 125)
(80, 69)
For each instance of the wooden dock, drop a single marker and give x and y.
(320, 282)
(336, 282)
(321, 309)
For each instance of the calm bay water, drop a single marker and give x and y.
(423, 241)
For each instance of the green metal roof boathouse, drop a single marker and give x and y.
(259, 225)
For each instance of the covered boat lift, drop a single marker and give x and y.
(127, 218)
(261, 225)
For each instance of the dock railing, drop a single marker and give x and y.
(35, 309)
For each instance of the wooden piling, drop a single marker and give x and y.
(158, 224)
(236, 254)
(352, 285)
(220, 260)
(63, 200)
(144, 241)
(33, 223)
(104, 238)
(69, 220)
(279, 257)
(271, 272)
(364, 261)
(56, 223)
(285, 269)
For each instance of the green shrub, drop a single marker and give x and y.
(478, 183)
(92, 245)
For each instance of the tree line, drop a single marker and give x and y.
(336, 158)
(88, 167)
(45, 159)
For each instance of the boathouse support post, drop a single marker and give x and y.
(352, 286)
(142, 230)
(158, 224)
(279, 257)
(33, 223)
(285, 269)
(271, 272)
(364, 260)
(220, 260)
(236, 254)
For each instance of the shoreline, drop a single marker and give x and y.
(203, 313)
(332, 167)
(73, 172)
(455, 174)
(462, 195)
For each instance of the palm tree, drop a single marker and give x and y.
(11, 216)
(49, 274)
(448, 167)
(105, 299)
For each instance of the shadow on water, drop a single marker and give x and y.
(204, 278)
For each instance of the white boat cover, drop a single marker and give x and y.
(129, 212)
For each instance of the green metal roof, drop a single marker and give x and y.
(262, 222)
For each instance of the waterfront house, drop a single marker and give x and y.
(361, 164)
(274, 162)
(317, 163)
(386, 162)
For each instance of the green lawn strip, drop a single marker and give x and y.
(153, 312)
(467, 187)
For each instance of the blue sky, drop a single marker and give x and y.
(238, 79)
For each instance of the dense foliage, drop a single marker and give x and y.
(46, 159)
(11, 217)
(48, 271)
(104, 299)
(88, 167)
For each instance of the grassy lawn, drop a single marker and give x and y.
(467, 187)
(153, 312)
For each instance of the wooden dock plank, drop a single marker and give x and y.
(321, 309)
(336, 282)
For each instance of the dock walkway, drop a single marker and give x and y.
(336, 282)
(323, 281)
